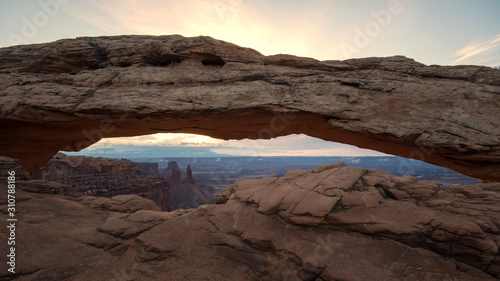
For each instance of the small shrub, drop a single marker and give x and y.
(99, 51)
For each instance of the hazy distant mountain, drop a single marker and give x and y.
(141, 151)
(215, 173)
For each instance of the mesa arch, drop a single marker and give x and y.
(68, 94)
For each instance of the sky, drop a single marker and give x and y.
(444, 32)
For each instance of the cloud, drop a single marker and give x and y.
(191, 145)
(484, 51)
(291, 145)
(163, 140)
(244, 23)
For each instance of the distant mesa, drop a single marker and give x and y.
(107, 177)
(150, 169)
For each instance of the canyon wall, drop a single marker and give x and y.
(106, 177)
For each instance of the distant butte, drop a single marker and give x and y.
(184, 193)
(69, 94)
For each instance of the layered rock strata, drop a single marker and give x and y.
(107, 177)
(69, 94)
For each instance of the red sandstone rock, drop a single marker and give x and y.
(459, 222)
(106, 177)
(184, 193)
(69, 94)
(303, 232)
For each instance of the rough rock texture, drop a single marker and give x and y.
(68, 94)
(64, 166)
(8, 164)
(106, 177)
(330, 223)
(183, 192)
(459, 222)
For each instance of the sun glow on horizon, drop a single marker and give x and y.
(291, 145)
(314, 29)
(233, 21)
(171, 139)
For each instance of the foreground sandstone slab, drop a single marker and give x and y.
(330, 223)
(69, 94)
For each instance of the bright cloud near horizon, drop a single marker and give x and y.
(293, 145)
(429, 31)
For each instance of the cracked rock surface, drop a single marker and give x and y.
(330, 223)
(69, 94)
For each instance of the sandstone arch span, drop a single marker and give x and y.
(68, 94)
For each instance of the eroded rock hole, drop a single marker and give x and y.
(124, 64)
(156, 59)
(207, 59)
(216, 61)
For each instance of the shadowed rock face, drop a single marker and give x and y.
(183, 192)
(172, 173)
(69, 94)
(107, 177)
(150, 169)
(330, 223)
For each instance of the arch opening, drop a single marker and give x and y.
(182, 171)
(295, 151)
(257, 125)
